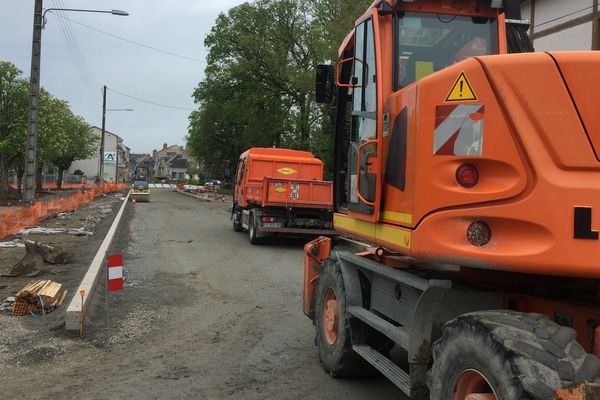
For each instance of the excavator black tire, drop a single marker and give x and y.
(338, 359)
(522, 356)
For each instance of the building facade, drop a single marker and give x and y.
(563, 25)
(116, 159)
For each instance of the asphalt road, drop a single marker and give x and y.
(205, 315)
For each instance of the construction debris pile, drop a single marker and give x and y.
(35, 256)
(39, 298)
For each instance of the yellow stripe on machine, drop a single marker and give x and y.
(394, 237)
(356, 226)
(396, 217)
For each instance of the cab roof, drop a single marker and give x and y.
(267, 152)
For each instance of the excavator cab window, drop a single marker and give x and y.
(426, 43)
(361, 183)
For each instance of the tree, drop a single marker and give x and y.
(77, 142)
(13, 120)
(259, 85)
(62, 137)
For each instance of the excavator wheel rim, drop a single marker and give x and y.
(473, 385)
(331, 317)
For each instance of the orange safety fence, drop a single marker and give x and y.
(53, 186)
(14, 220)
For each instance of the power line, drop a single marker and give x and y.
(564, 16)
(89, 72)
(76, 61)
(134, 42)
(151, 102)
(76, 54)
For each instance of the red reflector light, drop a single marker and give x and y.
(467, 176)
(479, 234)
(269, 219)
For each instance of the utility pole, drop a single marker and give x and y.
(101, 169)
(34, 101)
(117, 165)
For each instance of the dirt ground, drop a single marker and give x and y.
(28, 340)
(204, 315)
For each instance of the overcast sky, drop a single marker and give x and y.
(176, 26)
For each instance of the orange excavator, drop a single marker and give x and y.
(467, 184)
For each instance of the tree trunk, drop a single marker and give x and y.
(278, 140)
(20, 170)
(38, 183)
(3, 176)
(59, 181)
(304, 122)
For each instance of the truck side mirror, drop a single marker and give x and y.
(324, 88)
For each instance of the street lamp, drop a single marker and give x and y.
(104, 111)
(39, 18)
(120, 13)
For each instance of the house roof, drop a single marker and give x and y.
(105, 131)
(179, 162)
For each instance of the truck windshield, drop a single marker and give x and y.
(426, 43)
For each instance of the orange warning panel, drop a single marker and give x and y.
(14, 220)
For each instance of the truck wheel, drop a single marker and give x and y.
(237, 221)
(332, 326)
(507, 355)
(252, 231)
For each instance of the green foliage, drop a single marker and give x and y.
(259, 85)
(62, 136)
(13, 119)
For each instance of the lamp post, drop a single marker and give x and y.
(34, 94)
(104, 111)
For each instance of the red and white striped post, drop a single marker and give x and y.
(114, 283)
(115, 273)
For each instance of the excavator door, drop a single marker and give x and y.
(364, 146)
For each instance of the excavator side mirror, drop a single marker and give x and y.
(384, 9)
(325, 82)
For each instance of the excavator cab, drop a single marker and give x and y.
(390, 49)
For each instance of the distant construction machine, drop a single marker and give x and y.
(141, 187)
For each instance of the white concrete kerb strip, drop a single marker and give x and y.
(197, 197)
(90, 280)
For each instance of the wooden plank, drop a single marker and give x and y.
(62, 298)
(51, 290)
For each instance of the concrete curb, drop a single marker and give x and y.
(195, 196)
(90, 280)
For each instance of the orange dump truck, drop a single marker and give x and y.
(467, 186)
(281, 191)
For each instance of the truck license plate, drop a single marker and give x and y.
(272, 225)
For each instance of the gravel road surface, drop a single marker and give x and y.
(204, 315)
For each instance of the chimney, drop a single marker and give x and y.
(165, 146)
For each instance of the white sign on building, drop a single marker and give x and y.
(110, 158)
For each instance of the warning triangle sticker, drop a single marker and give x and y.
(462, 90)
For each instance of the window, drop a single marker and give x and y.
(240, 173)
(426, 43)
(365, 75)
